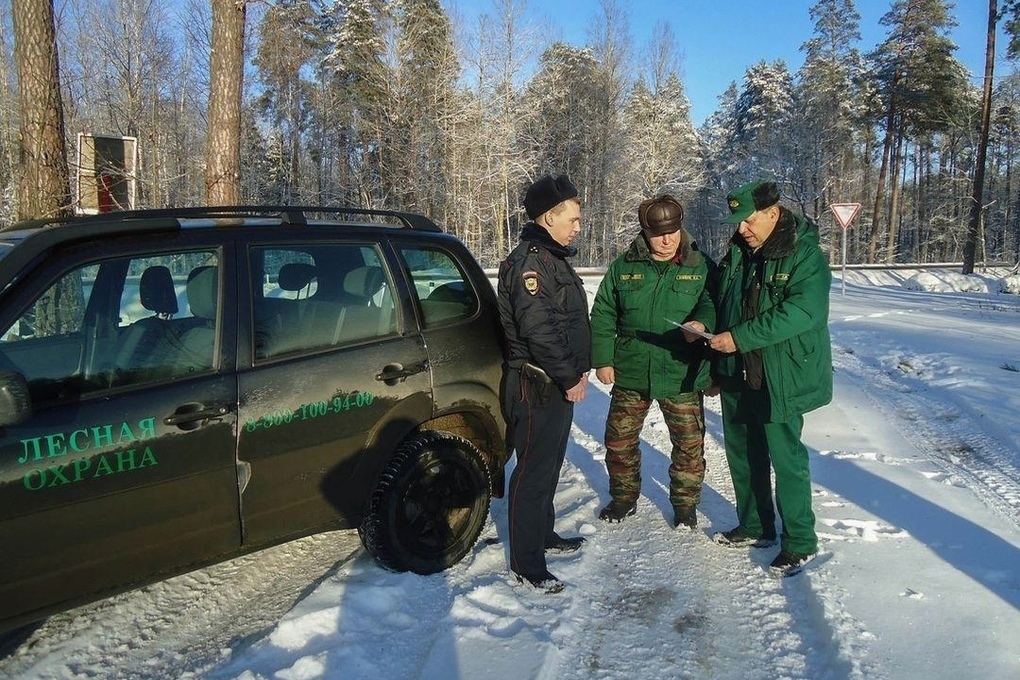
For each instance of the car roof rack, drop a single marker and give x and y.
(43, 234)
(289, 214)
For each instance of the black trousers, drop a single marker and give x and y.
(538, 419)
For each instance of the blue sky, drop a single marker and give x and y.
(719, 39)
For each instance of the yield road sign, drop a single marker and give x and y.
(845, 213)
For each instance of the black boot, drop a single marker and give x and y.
(545, 582)
(617, 510)
(738, 538)
(564, 545)
(685, 515)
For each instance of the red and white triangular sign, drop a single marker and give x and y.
(845, 212)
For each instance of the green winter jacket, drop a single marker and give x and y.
(630, 331)
(790, 329)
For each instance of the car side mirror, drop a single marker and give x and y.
(15, 403)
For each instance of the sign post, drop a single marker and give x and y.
(845, 214)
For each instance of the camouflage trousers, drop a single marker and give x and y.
(685, 420)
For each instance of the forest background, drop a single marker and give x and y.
(399, 104)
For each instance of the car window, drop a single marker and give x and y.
(158, 286)
(57, 312)
(292, 263)
(312, 297)
(118, 322)
(443, 291)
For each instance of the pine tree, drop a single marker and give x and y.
(1005, 131)
(717, 134)
(427, 70)
(226, 69)
(607, 208)
(920, 86)
(8, 134)
(44, 190)
(44, 187)
(1011, 23)
(357, 75)
(288, 40)
(762, 120)
(563, 119)
(664, 151)
(828, 105)
(974, 223)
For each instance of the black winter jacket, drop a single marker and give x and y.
(544, 309)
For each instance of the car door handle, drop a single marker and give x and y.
(189, 416)
(394, 373)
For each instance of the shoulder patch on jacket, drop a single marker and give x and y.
(531, 282)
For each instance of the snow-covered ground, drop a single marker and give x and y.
(916, 470)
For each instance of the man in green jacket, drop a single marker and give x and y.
(775, 366)
(659, 282)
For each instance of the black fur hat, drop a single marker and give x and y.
(548, 192)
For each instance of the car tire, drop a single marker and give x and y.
(429, 505)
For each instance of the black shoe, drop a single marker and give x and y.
(617, 510)
(546, 582)
(687, 516)
(564, 545)
(787, 560)
(737, 538)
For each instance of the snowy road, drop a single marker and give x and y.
(171, 628)
(917, 491)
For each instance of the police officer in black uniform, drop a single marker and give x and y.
(544, 312)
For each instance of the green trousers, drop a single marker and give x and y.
(752, 446)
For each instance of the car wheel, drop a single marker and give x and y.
(429, 506)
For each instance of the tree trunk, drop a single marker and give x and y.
(1009, 219)
(876, 213)
(226, 74)
(8, 120)
(893, 218)
(924, 230)
(977, 196)
(44, 189)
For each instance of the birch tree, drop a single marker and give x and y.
(491, 165)
(127, 77)
(608, 207)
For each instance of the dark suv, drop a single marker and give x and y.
(178, 387)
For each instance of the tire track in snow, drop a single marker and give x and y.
(804, 631)
(678, 602)
(958, 445)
